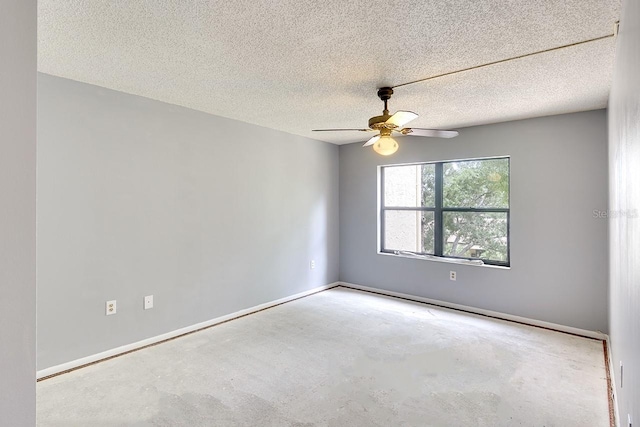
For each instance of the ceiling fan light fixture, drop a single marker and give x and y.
(385, 146)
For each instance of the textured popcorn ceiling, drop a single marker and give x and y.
(297, 65)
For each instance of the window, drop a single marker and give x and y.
(456, 209)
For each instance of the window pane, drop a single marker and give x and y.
(475, 235)
(409, 231)
(476, 184)
(409, 186)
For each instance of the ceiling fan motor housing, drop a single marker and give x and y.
(379, 122)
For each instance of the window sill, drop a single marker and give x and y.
(445, 260)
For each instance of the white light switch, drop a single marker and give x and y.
(148, 302)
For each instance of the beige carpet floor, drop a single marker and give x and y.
(343, 358)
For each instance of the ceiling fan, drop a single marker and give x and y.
(387, 124)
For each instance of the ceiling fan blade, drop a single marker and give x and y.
(339, 130)
(371, 141)
(436, 133)
(401, 118)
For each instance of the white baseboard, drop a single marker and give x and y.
(53, 370)
(612, 375)
(533, 322)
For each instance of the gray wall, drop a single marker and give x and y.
(17, 212)
(624, 188)
(559, 258)
(139, 197)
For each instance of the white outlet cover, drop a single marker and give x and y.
(621, 375)
(312, 264)
(111, 307)
(148, 302)
(452, 275)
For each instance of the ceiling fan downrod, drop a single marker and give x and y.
(384, 93)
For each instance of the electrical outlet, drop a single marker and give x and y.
(312, 264)
(452, 275)
(621, 374)
(148, 302)
(111, 308)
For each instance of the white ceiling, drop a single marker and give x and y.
(297, 65)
